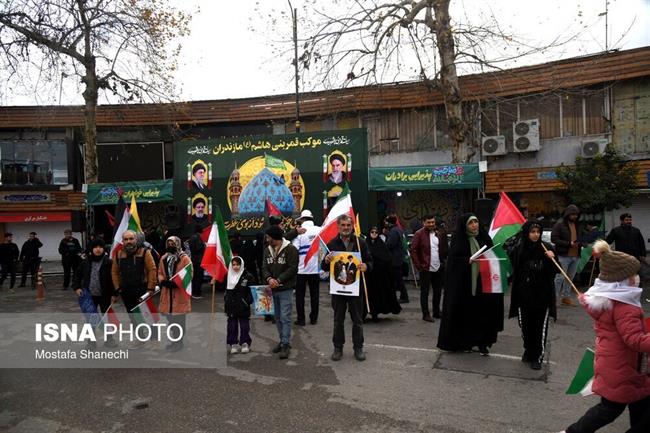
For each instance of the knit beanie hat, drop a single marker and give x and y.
(614, 265)
(275, 232)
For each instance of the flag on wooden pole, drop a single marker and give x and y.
(217, 251)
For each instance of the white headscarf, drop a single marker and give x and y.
(618, 291)
(233, 277)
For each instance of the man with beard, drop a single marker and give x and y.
(628, 239)
(29, 255)
(566, 238)
(133, 271)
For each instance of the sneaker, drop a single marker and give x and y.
(337, 354)
(245, 348)
(359, 354)
(234, 349)
(483, 350)
(277, 348)
(536, 365)
(197, 297)
(12, 291)
(313, 321)
(284, 351)
(299, 323)
(568, 302)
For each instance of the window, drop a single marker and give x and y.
(38, 162)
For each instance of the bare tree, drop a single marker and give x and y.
(121, 47)
(375, 42)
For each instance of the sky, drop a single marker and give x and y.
(232, 51)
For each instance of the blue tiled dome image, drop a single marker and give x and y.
(265, 184)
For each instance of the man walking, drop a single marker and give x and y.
(565, 237)
(308, 274)
(8, 259)
(347, 241)
(133, 271)
(29, 255)
(396, 249)
(279, 270)
(70, 250)
(429, 252)
(628, 239)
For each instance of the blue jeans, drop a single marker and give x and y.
(570, 265)
(283, 304)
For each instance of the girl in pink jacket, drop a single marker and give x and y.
(621, 367)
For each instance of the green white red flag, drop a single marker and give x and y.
(584, 377)
(183, 280)
(117, 238)
(110, 316)
(217, 250)
(146, 311)
(329, 229)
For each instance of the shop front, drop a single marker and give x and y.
(415, 191)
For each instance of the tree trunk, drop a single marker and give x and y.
(90, 128)
(449, 82)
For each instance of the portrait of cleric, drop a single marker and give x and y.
(337, 176)
(199, 211)
(199, 176)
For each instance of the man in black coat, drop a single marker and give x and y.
(347, 241)
(628, 239)
(8, 259)
(29, 255)
(70, 250)
(396, 249)
(567, 237)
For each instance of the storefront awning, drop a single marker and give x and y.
(144, 191)
(451, 176)
(33, 217)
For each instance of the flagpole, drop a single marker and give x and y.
(213, 283)
(562, 271)
(363, 275)
(593, 267)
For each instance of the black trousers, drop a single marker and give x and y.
(70, 264)
(8, 269)
(30, 265)
(178, 319)
(398, 281)
(607, 411)
(355, 305)
(433, 279)
(534, 328)
(197, 279)
(313, 280)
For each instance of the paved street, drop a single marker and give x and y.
(405, 385)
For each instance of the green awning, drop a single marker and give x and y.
(144, 191)
(451, 176)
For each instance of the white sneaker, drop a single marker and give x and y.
(234, 349)
(245, 348)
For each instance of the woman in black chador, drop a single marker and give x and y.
(533, 291)
(381, 294)
(470, 318)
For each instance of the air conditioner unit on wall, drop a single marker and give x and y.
(593, 147)
(494, 145)
(525, 136)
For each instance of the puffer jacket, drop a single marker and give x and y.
(561, 233)
(621, 340)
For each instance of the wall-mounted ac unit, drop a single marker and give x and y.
(591, 148)
(494, 145)
(525, 137)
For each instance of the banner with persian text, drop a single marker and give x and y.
(292, 172)
(449, 176)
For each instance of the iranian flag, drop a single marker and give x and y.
(146, 311)
(271, 209)
(217, 251)
(494, 264)
(584, 377)
(110, 316)
(329, 229)
(183, 280)
(117, 238)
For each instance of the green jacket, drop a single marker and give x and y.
(283, 267)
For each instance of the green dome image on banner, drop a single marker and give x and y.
(265, 184)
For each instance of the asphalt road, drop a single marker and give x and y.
(405, 385)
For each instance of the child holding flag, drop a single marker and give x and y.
(622, 344)
(175, 281)
(237, 304)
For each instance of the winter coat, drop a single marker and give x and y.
(172, 300)
(395, 246)
(282, 267)
(337, 244)
(628, 240)
(421, 249)
(8, 253)
(30, 249)
(561, 233)
(620, 337)
(69, 248)
(238, 301)
(147, 279)
(81, 278)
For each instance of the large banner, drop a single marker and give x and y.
(292, 172)
(449, 176)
